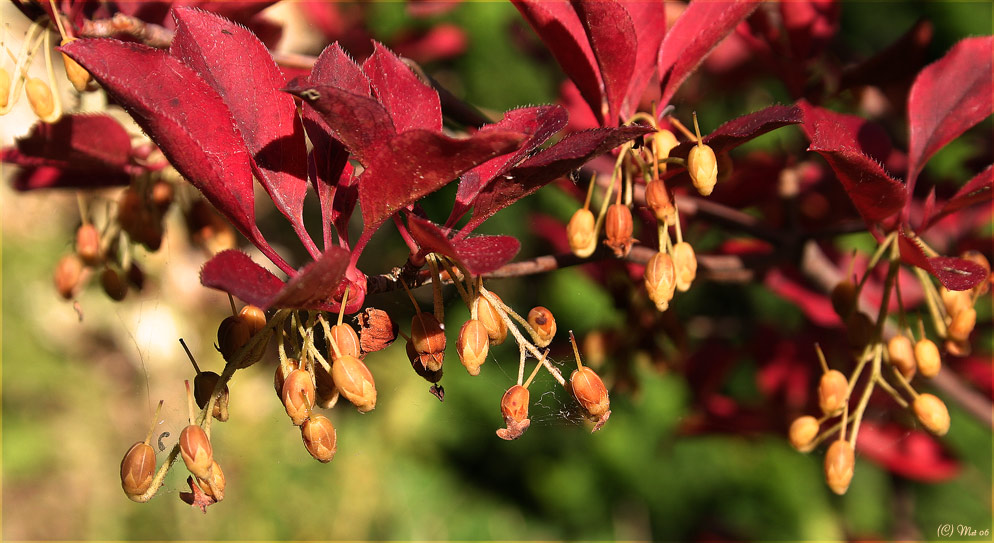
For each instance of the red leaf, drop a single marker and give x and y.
(79, 141)
(810, 24)
(742, 129)
(334, 67)
(410, 103)
(953, 273)
(948, 97)
(239, 67)
(979, 189)
(696, 32)
(48, 177)
(565, 156)
(359, 122)
(875, 194)
(234, 272)
(314, 285)
(538, 123)
(612, 38)
(480, 254)
(649, 19)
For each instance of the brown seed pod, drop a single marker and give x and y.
(514, 407)
(232, 334)
(40, 97)
(581, 233)
(428, 339)
(325, 392)
(660, 280)
(544, 323)
(844, 298)
(703, 168)
(254, 318)
(298, 396)
(282, 372)
(618, 229)
(376, 330)
(833, 392)
(88, 244)
(68, 272)
(491, 319)
(346, 339)
(803, 431)
(137, 469)
(932, 414)
(589, 390)
(217, 478)
(927, 356)
(901, 354)
(4, 87)
(136, 277)
(113, 284)
(685, 265)
(962, 325)
(472, 345)
(203, 386)
(355, 382)
(195, 447)
(77, 75)
(840, 461)
(320, 438)
(658, 198)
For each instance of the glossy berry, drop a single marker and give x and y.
(254, 318)
(472, 345)
(298, 396)
(703, 168)
(901, 354)
(833, 391)
(320, 438)
(137, 469)
(927, 356)
(88, 244)
(932, 414)
(685, 265)
(355, 382)
(843, 298)
(581, 234)
(68, 272)
(660, 280)
(196, 450)
(544, 325)
(618, 229)
(840, 461)
(803, 431)
(232, 334)
(589, 390)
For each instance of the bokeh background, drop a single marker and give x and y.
(76, 393)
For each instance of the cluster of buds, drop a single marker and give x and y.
(207, 480)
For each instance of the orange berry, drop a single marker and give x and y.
(978, 258)
(927, 356)
(962, 325)
(803, 431)
(298, 396)
(955, 301)
(543, 323)
(703, 168)
(901, 354)
(137, 469)
(660, 280)
(345, 339)
(932, 413)
(618, 229)
(685, 265)
(355, 382)
(281, 374)
(195, 447)
(254, 317)
(320, 438)
(472, 345)
(581, 234)
(514, 407)
(40, 97)
(68, 272)
(88, 244)
(662, 143)
(657, 197)
(833, 392)
(589, 390)
(491, 319)
(840, 461)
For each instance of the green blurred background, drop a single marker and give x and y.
(77, 394)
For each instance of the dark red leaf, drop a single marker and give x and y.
(948, 97)
(953, 273)
(410, 103)
(314, 285)
(559, 27)
(979, 189)
(810, 24)
(742, 129)
(611, 35)
(649, 19)
(480, 254)
(875, 194)
(359, 122)
(694, 34)
(334, 67)
(537, 123)
(48, 177)
(78, 141)
(565, 156)
(234, 272)
(239, 67)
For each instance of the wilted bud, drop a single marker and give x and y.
(802, 432)
(88, 244)
(472, 345)
(581, 234)
(195, 447)
(657, 197)
(589, 390)
(298, 396)
(932, 413)
(491, 319)
(978, 258)
(514, 407)
(216, 479)
(320, 438)
(859, 329)
(40, 97)
(844, 298)
(376, 330)
(77, 75)
(232, 334)
(428, 339)
(67, 275)
(955, 301)
(618, 229)
(663, 142)
(962, 325)
(326, 393)
(254, 318)
(137, 469)
(281, 374)
(840, 461)
(660, 280)
(203, 387)
(703, 168)
(544, 324)
(685, 265)
(927, 356)
(833, 391)
(901, 354)
(355, 382)
(4, 87)
(346, 339)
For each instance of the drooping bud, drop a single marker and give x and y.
(844, 298)
(491, 319)
(840, 461)
(702, 166)
(663, 142)
(657, 197)
(137, 469)
(901, 354)
(932, 414)
(77, 75)
(216, 479)
(927, 356)
(472, 345)
(589, 390)
(962, 324)
(40, 97)
(355, 382)
(514, 407)
(88, 244)
(618, 229)
(544, 324)
(281, 374)
(68, 272)
(203, 387)
(298, 396)
(833, 391)
(195, 447)
(802, 432)
(320, 438)
(685, 265)
(428, 339)
(660, 280)
(581, 234)
(346, 339)
(419, 367)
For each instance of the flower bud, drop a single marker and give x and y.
(254, 318)
(137, 469)
(472, 345)
(217, 479)
(901, 354)
(927, 356)
(962, 325)
(77, 75)
(325, 391)
(657, 197)
(844, 298)
(198, 455)
(955, 301)
(833, 391)
(281, 374)
(660, 280)
(203, 387)
(428, 339)
(4, 87)
(618, 228)
(355, 382)
(68, 272)
(684, 265)
(840, 461)
(589, 390)
(40, 97)
(544, 324)
(232, 334)
(514, 407)
(88, 244)
(662, 143)
(320, 438)
(932, 414)
(703, 168)
(491, 319)
(581, 234)
(346, 339)
(298, 396)
(803, 431)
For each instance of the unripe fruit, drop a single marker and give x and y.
(232, 334)
(77, 75)
(581, 234)
(195, 447)
(298, 396)
(514, 408)
(88, 244)
(544, 324)
(113, 284)
(927, 356)
(472, 345)
(844, 298)
(40, 97)
(901, 354)
(137, 469)
(685, 265)
(254, 318)
(217, 479)
(320, 438)
(840, 461)
(346, 339)
(67, 274)
(203, 387)
(281, 374)
(355, 382)
(955, 301)
(660, 280)
(803, 431)
(491, 319)
(657, 197)
(428, 339)
(932, 413)
(589, 390)
(833, 391)
(618, 228)
(4, 87)
(703, 168)
(962, 325)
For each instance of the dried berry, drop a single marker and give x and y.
(40, 97)
(833, 391)
(660, 280)
(88, 244)
(803, 431)
(376, 330)
(962, 324)
(514, 407)
(927, 356)
(901, 354)
(703, 168)
(68, 272)
(581, 233)
(491, 319)
(136, 277)
(844, 298)
(203, 386)
(472, 345)
(355, 382)
(298, 396)
(428, 339)
(932, 414)
(345, 339)
(618, 229)
(544, 325)
(217, 480)
(195, 447)
(859, 329)
(840, 461)
(320, 438)
(685, 265)
(658, 198)
(137, 469)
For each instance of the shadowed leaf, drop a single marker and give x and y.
(359, 122)
(742, 129)
(234, 272)
(953, 273)
(480, 254)
(612, 38)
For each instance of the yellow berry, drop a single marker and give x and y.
(840, 461)
(932, 414)
(703, 168)
(581, 234)
(803, 431)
